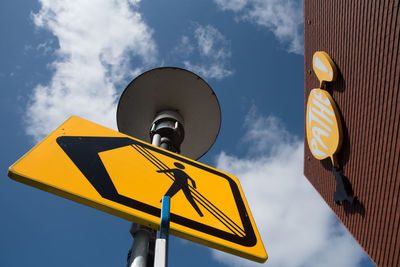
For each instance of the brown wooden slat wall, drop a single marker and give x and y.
(362, 37)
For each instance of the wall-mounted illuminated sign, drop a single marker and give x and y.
(324, 130)
(323, 126)
(324, 67)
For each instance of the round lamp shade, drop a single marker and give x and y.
(175, 89)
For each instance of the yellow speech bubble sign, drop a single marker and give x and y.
(323, 125)
(324, 67)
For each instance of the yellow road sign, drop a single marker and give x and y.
(126, 177)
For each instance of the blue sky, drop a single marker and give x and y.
(64, 58)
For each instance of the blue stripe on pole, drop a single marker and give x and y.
(165, 218)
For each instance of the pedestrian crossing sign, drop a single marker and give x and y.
(126, 177)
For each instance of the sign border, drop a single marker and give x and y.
(76, 148)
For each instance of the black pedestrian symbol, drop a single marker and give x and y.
(181, 183)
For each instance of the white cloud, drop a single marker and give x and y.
(234, 5)
(213, 51)
(297, 227)
(97, 41)
(185, 47)
(213, 71)
(212, 43)
(283, 17)
(45, 47)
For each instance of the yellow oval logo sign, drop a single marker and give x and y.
(324, 67)
(324, 130)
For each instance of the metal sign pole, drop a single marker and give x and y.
(166, 132)
(180, 94)
(137, 256)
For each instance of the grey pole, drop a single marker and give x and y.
(166, 132)
(156, 140)
(137, 256)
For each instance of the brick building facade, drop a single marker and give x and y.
(362, 38)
